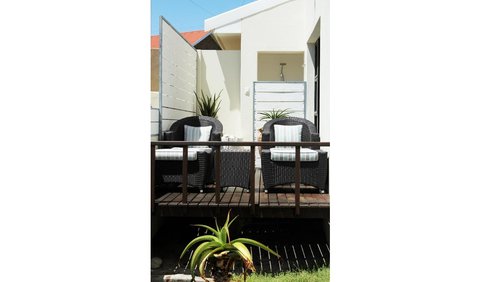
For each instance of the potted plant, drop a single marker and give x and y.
(269, 115)
(221, 252)
(266, 116)
(208, 105)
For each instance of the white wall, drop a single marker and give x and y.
(280, 30)
(220, 70)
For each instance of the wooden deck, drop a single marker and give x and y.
(278, 202)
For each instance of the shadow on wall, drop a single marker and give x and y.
(230, 65)
(220, 71)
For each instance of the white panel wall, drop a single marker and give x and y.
(277, 95)
(155, 115)
(178, 76)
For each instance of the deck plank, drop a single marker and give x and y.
(169, 198)
(282, 199)
(207, 199)
(177, 198)
(245, 199)
(162, 198)
(263, 199)
(272, 199)
(198, 199)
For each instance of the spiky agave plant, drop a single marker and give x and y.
(273, 114)
(224, 251)
(208, 105)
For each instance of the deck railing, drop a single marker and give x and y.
(216, 145)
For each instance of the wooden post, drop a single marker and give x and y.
(152, 177)
(252, 178)
(297, 180)
(185, 174)
(217, 174)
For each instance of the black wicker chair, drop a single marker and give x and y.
(283, 172)
(199, 171)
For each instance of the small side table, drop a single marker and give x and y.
(235, 167)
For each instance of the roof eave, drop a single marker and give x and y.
(241, 12)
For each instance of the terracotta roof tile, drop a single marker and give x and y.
(191, 37)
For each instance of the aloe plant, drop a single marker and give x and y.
(223, 251)
(273, 114)
(208, 105)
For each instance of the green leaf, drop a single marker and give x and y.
(208, 228)
(216, 225)
(201, 249)
(201, 268)
(223, 235)
(208, 105)
(227, 225)
(274, 114)
(255, 243)
(243, 250)
(230, 223)
(197, 240)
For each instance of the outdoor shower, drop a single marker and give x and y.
(282, 76)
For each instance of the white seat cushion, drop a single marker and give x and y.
(288, 155)
(287, 133)
(176, 153)
(193, 133)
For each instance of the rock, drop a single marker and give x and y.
(156, 262)
(183, 278)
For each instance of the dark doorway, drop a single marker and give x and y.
(317, 86)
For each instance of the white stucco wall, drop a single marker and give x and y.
(280, 29)
(280, 26)
(222, 73)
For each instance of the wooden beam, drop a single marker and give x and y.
(184, 174)
(297, 180)
(152, 177)
(252, 178)
(243, 143)
(218, 162)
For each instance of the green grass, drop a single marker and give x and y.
(320, 275)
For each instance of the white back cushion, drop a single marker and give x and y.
(193, 133)
(287, 133)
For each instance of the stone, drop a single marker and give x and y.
(183, 278)
(156, 262)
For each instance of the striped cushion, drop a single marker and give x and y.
(176, 153)
(193, 133)
(287, 133)
(288, 155)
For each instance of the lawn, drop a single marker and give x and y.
(320, 275)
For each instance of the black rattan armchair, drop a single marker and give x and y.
(283, 172)
(199, 171)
